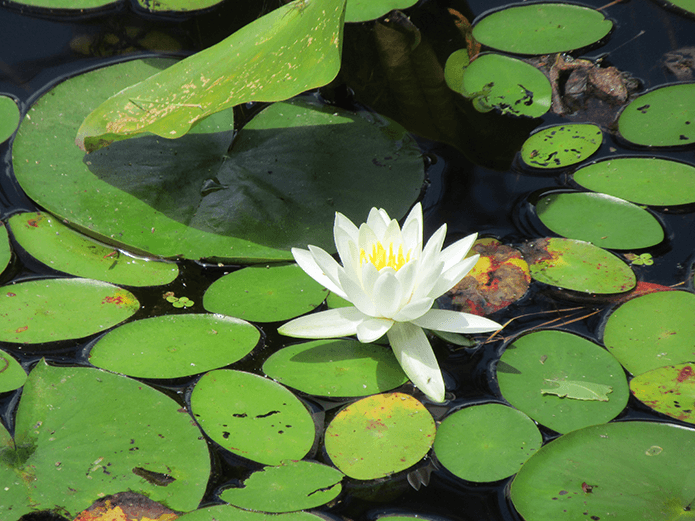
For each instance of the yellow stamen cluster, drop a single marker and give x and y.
(380, 258)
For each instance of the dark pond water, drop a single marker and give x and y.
(489, 193)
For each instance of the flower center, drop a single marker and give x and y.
(381, 258)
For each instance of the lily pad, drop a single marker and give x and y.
(494, 81)
(652, 331)
(9, 117)
(290, 170)
(173, 346)
(456, 63)
(579, 266)
(625, 471)
(364, 10)
(50, 310)
(486, 442)
(600, 219)
(379, 435)
(545, 360)
(252, 416)
(686, 5)
(264, 293)
(642, 180)
(12, 374)
(231, 513)
(669, 390)
(180, 6)
(561, 145)
(5, 250)
(82, 433)
(661, 118)
(70, 5)
(541, 28)
(63, 249)
(294, 485)
(336, 368)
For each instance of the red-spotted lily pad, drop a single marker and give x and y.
(336, 368)
(486, 442)
(623, 471)
(652, 331)
(252, 416)
(50, 310)
(578, 265)
(291, 486)
(561, 145)
(12, 375)
(562, 380)
(379, 435)
(669, 390)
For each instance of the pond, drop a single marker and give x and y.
(146, 303)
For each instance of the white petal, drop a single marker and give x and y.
(392, 235)
(453, 276)
(417, 359)
(369, 276)
(373, 329)
(325, 324)
(387, 293)
(346, 225)
(328, 265)
(414, 309)
(456, 252)
(378, 220)
(412, 231)
(306, 261)
(433, 247)
(426, 279)
(407, 276)
(455, 322)
(356, 295)
(366, 238)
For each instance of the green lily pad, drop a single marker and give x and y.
(9, 117)
(663, 117)
(494, 81)
(231, 513)
(291, 168)
(379, 435)
(686, 5)
(290, 50)
(264, 293)
(336, 368)
(669, 390)
(252, 416)
(543, 360)
(652, 331)
(294, 485)
(364, 10)
(541, 28)
(5, 250)
(578, 265)
(71, 5)
(561, 145)
(486, 442)
(82, 433)
(456, 63)
(63, 249)
(182, 6)
(600, 219)
(626, 471)
(50, 310)
(642, 180)
(173, 346)
(12, 374)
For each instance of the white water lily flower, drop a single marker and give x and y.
(392, 281)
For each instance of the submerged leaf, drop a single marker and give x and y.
(579, 390)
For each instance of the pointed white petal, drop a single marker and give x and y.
(327, 263)
(325, 324)
(356, 295)
(366, 238)
(306, 261)
(417, 359)
(426, 279)
(434, 246)
(453, 276)
(387, 293)
(414, 309)
(412, 231)
(369, 276)
(407, 276)
(372, 329)
(378, 220)
(456, 252)
(346, 225)
(455, 322)
(392, 235)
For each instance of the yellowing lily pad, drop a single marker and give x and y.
(669, 390)
(50, 310)
(561, 145)
(379, 435)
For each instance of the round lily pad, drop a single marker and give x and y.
(453, 70)
(61, 248)
(600, 219)
(12, 374)
(494, 81)
(661, 118)
(291, 486)
(562, 380)
(486, 442)
(264, 293)
(642, 180)
(5, 250)
(252, 416)
(336, 368)
(652, 331)
(561, 145)
(363, 10)
(173, 346)
(379, 435)
(69, 5)
(579, 266)
(623, 471)
(669, 390)
(686, 5)
(9, 117)
(50, 310)
(231, 513)
(541, 28)
(181, 6)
